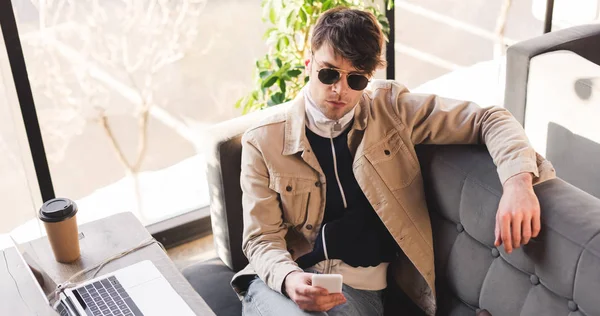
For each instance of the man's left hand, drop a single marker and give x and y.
(518, 216)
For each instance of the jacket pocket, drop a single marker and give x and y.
(393, 161)
(294, 196)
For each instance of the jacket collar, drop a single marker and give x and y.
(295, 121)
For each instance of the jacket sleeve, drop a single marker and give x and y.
(435, 120)
(263, 240)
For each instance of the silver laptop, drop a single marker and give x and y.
(138, 289)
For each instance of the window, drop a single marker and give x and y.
(124, 93)
(456, 48)
(18, 187)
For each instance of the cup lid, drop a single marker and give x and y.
(57, 210)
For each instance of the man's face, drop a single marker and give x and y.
(337, 99)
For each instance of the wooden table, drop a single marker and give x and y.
(101, 239)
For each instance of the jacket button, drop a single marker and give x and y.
(318, 184)
(573, 306)
(386, 152)
(534, 279)
(309, 227)
(288, 188)
(460, 228)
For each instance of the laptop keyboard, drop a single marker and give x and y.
(62, 310)
(107, 297)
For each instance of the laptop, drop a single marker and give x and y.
(138, 289)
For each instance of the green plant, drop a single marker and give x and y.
(280, 73)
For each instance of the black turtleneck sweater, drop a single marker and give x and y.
(356, 234)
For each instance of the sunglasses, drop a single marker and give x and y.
(331, 75)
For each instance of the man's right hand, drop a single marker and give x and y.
(298, 286)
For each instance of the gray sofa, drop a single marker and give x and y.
(553, 89)
(558, 273)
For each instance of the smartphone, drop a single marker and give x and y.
(331, 282)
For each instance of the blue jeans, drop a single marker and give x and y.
(260, 300)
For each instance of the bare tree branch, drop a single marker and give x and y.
(114, 143)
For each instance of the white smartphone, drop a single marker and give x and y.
(331, 282)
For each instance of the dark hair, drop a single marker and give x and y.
(353, 34)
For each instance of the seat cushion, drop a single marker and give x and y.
(211, 280)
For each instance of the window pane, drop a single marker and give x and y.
(457, 48)
(125, 91)
(18, 187)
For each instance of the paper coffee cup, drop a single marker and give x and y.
(60, 220)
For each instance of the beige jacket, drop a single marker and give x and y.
(284, 187)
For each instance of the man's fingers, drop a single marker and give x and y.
(320, 303)
(329, 301)
(526, 230)
(516, 223)
(497, 241)
(506, 233)
(536, 225)
(307, 290)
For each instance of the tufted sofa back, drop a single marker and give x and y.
(558, 273)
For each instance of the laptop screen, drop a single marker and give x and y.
(44, 283)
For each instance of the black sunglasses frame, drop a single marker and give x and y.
(325, 76)
(355, 81)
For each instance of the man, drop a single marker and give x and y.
(332, 184)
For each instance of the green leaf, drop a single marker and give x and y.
(390, 4)
(285, 68)
(264, 74)
(326, 5)
(277, 98)
(294, 73)
(288, 20)
(281, 44)
(384, 24)
(302, 15)
(238, 104)
(268, 32)
(282, 85)
(278, 61)
(272, 15)
(306, 79)
(266, 9)
(269, 81)
(308, 8)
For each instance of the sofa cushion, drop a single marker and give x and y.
(211, 280)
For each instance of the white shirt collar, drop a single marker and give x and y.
(318, 123)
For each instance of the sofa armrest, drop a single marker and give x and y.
(223, 159)
(583, 40)
(555, 274)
